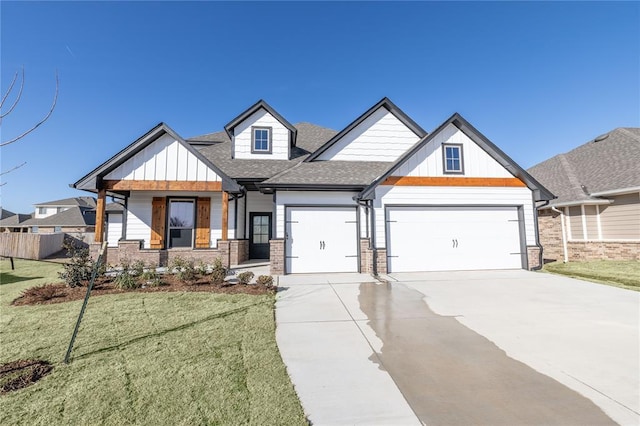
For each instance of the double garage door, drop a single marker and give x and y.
(453, 238)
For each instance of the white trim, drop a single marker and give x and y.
(598, 223)
(617, 191)
(583, 217)
(580, 203)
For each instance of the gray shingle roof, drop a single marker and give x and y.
(75, 201)
(75, 216)
(15, 221)
(345, 173)
(607, 163)
(216, 147)
(4, 213)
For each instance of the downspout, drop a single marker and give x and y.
(564, 239)
(541, 249)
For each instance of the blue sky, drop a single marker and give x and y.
(537, 79)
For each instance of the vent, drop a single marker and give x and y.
(601, 137)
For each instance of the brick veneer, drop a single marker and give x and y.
(366, 258)
(551, 240)
(533, 257)
(276, 256)
(239, 251)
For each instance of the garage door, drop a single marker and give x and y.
(453, 238)
(321, 239)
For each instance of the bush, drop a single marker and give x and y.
(245, 277)
(151, 278)
(202, 268)
(78, 270)
(40, 293)
(127, 278)
(265, 280)
(218, 272)
(184, 269)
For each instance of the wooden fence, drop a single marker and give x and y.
(30, 246)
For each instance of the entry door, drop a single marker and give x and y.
(321, 239)
(259, 235)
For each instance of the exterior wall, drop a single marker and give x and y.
(452, 196)
(367, 257)
(574, 223)
(381, 137)
(591, 223)
(238, 251)
(428, 160)
(550, 229)
(48, 211)
(311, 198)
(621, 220)
(139, 215)
(114, 228)
(240, 227)
(279, 137)
(533, 257)
(164, 159)
(276, 256)
(258, 202)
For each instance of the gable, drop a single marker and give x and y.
(381, 136)
(242, 137)
(428, 160)
(165, 159)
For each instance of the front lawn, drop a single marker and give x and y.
(621, 273)
(145, 358)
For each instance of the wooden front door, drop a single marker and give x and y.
(259, 235)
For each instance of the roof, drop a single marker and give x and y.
(66, 202)
(256, 107)
(5, 213)
(114, 208)
(15, 221)
(75, 216)
(352, 174)
(383, 103)
(607, 164)
(217, 148)
(539, 191)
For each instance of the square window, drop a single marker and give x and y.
(261, 140)
(452, 159)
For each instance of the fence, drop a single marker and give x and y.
(30, 246)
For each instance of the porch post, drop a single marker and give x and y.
(100, 209)
(225, 216)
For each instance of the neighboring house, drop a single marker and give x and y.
(379, 196)
(54, 207)
(4, 213)
(597, 212)
(13, 223)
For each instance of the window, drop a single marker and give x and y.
(452, 158)
(34, 229)
(181, 223)
(261, 140)
(57, 229)
(42, 210)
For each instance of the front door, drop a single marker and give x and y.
(259, 235)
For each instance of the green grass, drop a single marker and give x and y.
(620, 273)
(146, 358)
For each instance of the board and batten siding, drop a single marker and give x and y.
(311, 198)
(242, 138)
(114, 229)
(165, 159)
(575, 223)
(139, 215)
(258, 202)
(434, 196)
(428, 161)
(591, 222)
(621, 219)
(380, 137)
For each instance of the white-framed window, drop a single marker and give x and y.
(57, 229)
(452, 158)
(261, 139)
(34, 229)
(42, 210)
(182, 218)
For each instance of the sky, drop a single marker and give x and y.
(536, 78)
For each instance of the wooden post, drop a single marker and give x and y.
(225, 216)
(100, 209)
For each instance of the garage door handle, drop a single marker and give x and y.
(455, 243)
(321, 245)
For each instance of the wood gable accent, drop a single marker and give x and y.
(158, 221)
(161, 185)
(452, 181)
(203, 222)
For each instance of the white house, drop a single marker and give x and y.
(380, 196)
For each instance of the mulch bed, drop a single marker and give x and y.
(60, 292)
(22, 373)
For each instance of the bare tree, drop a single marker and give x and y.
(14, 104)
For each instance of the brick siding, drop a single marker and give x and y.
(276, 256)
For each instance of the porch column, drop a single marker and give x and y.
(100, 209)
(225, 216)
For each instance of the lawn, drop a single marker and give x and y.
(145, 358)
(621, 273)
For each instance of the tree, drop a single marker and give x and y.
(13, 106)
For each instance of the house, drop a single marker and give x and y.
(379, 196)
(12, 223)
(597, 212)
(50, 208)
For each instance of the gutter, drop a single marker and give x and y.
(564, 238)
(621, 191)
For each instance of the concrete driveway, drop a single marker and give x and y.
(490, 347)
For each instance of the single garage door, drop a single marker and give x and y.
(321, 239)
(453, 238)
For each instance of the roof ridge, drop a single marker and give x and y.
(571, 173)
(628, 133)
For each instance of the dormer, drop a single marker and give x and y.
(261, 133)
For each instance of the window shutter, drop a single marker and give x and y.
(158, 220)
(203, 222)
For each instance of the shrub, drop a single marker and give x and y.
(184, 269)
(78, 270)
(40, 293)
(218, 272)
(265, 280)
(151, 278)
(127, 278)
(201, 268)
(245, 277)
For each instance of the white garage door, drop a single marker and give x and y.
(321, 239)
(452, 238)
